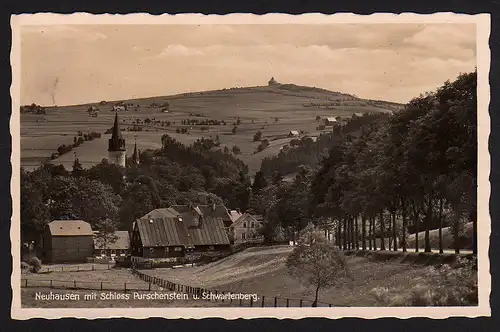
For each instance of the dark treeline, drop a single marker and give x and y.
(415, 169)
(173, 174)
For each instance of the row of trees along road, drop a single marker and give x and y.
(413, 169)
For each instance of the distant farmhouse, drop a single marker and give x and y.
(179, 230)
(293, 133)
(119, 108)
(119, 247)
(330, 120)
(67, 241)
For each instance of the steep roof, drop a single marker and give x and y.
(69, 228)
(116, 142)
(122, 241)
(246, 217)
(294, 132)
(331, 119)
(176, 226)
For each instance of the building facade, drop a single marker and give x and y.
(119, 247)
(67, 241)
(117, 151)
(246, 229)
(177, 231)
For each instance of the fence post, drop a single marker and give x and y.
(263, 301)
(74, 283)
(101, 285)
(251, 301)
(275, 302)
(149, 286)
(92, 267)
(240, 301)
(50, 283)
(287, 303)
(62, 268)
(26, 283)
(125, 287)
(78, 268)
(300, 303)
(329, 305)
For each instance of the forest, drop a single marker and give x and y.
(382, 175)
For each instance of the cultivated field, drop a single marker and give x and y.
(257, 108)
(263, 271)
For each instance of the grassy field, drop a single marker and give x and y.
(256, 108)
(263, 271)
(89, 282)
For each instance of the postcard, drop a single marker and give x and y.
(287, 166)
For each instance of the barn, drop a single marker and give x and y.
(176, 231)
(330, 121)
(67, 241)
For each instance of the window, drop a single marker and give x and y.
(243, 236)
(244, 225)
(211, 248)
(253, 224)
(178, 249)
(103, 252)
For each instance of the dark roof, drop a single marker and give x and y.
(116, 142)
(69, 228)
(177, 226)
(122, 241)
(217, 211)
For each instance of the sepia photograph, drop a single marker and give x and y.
(192, 162)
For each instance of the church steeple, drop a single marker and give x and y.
(116, 146)
(135, 156)
(116, 142)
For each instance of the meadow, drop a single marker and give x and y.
(263, 271)
(257, 108)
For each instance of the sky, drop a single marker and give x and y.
(76, 64)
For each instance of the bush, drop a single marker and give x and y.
(445, 286)
(24, 266)
(35, 264)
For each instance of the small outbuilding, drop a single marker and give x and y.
(119, 247)
(330, 121)
(293, 133)
(246, 229)
(67, 241)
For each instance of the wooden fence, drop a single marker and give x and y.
(88, 285)
(228, 297)
(77, 268)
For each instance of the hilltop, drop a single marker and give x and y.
(274, 110)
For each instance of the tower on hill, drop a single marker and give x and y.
(116, 149)
(272, 82)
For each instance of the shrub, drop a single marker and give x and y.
(444, 286)
(35, 264)
(24, 266)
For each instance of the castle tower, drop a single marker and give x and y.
(116, 150)
(135, 156)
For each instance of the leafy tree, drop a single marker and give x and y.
(319, 265)
(257, 136)
(105, 233)
(236, 150)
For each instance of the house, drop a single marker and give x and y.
(119, 108)
(293, 133)
(330, 121)
(120, 247)
(246, 229)
(176, 231)
(66, 241)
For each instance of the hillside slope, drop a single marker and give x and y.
(263, 271)
(274, 110)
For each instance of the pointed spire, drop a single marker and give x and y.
(117, 134)
(116, 142)
(135, 156)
